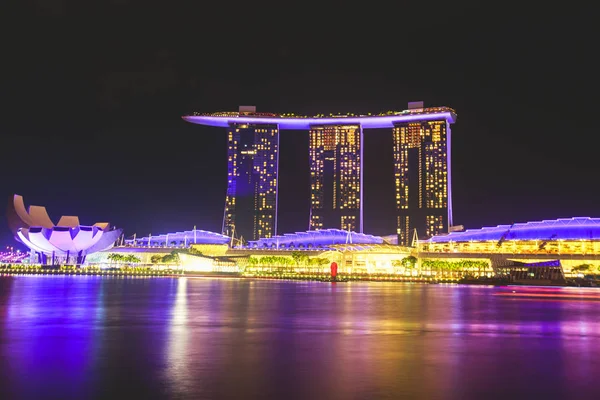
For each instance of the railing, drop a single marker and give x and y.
(430, 110)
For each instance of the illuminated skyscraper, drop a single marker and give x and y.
(422, 169)
(251, 201)
(336, 177)
(422, 176)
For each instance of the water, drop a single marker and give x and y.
(185, 338)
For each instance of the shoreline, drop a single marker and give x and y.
(4, 272)
(325, 278)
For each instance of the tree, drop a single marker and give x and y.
(581, 268)
(132, 258)
(155, 259)
(114, 257)
(300, 257)
(194, 251)
(462, 267)
(409, 262)
(173, 257)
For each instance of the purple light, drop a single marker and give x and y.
(578, 228)
(314, 239)
(367, 122)
(362, 182)
(449, 171)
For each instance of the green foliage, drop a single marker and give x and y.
(194, 251)
(133, 259)
(319, 261)
(172, 258)
(122, 258)
(581, 268)
(409, 262)
(275, 261)
(462, 265)
(300, 258)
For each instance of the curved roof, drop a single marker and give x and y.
(314, 239)
(34, 228)
(289, 121)
(60, 240)
(196, 236)
(580, 228)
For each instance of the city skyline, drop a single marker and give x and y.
(99, 124)
(137, 262)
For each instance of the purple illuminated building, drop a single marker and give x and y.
(314, 240)
(67, 242)
(251, 200)
(421, 173)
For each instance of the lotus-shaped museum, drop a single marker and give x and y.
(67, 242)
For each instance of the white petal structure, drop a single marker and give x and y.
(66, 242)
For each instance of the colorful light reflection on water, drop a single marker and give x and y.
(88, 337)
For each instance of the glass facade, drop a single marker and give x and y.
(336, 177)
(422, 179)
(252, 168)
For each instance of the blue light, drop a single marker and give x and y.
(320, 239)
(579, 228)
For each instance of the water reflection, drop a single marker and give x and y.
(86, 338)
(177, 350)
(51, 335)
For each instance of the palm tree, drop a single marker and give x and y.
(132, 259)
(114, 257)
(408, 263)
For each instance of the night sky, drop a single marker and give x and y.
(92, 98)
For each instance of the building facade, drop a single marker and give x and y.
(252, 169)
(63, 243)
(422, 179)
(335, 153)
(422, 169)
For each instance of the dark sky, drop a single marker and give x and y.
(92, 96)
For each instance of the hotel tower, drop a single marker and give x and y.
(252, 166)
(422, 177)
(336, 177)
